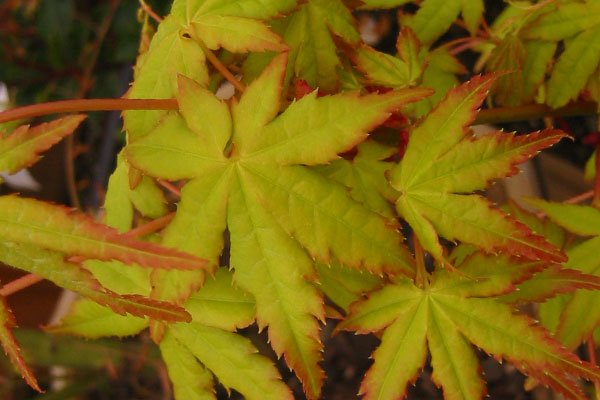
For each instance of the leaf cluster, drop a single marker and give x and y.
(290, 195)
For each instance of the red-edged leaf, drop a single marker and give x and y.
(21, 148)
(442, 161)
(550, 282)
(50, 265)
(59, 228)
(11, 347)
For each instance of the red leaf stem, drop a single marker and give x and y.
(151, 226)
(150, 12)
(78, 105)
(19, 284)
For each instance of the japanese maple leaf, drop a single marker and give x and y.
(11, 346)
(177, 47)
(308, 31)
(436, 69)
(578, 25)
(194, 351)
(365, 176)
(580, 315)
(434, 17)
(21, 148)
(443, 163)
(392, 71)
(216, 311)
(247, 171)
(448, 314)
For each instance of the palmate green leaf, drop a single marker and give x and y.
(237, 34)
(50, 265)
(539, 58)
(121, 200)
(551, 282)
(365, 176)
(578, 24)
(442, 161)
(509, 55)
(582, 220)
(91, 320)
(574, 67)
(579, 316)
(434, 17)
(11, 346)
(221, 304)
(57, 228)
(20, 149)
(189, 377)
(243, 164)
(308, 31)
(344, 286)
(234, 360)
(551, 231)
(386, 70)
(440, 75)
(563, 22)
(170, 53)
(449, 318)
(236, 26)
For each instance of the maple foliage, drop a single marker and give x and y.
(440, 162)
(316, 191)
(453, 310)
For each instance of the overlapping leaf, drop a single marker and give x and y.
(21, 148)
(11, 346)
(176, 47)
(580, 315)
(365, 176)
(121, 200)
(50, 265)
(434, 17)
(445, 317)
(58, 228)
(528, 39)
(244, 175)
(442, 162)
(386, 70)
(436, 69)
(308, 31)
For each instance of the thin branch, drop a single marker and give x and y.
(214, 60)
(530, 111)
(19, 284)
(170, 187)
(82, 105)
(150, 12)
(151, 226)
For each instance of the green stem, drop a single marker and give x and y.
(79, 105)
(531, 111)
